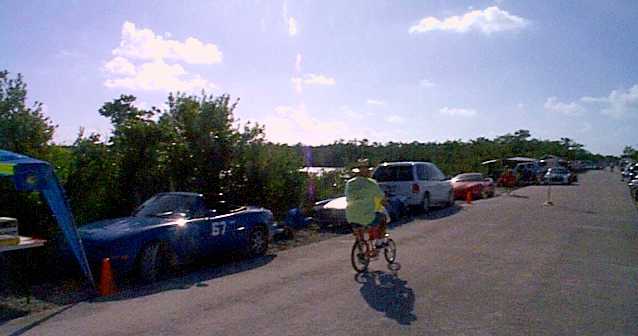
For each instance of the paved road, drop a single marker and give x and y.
(505, 266)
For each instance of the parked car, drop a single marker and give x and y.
(333, 212)
(175, 228)
(630, 172)
(479, 186)
(421, 183)
(633, 189)
(528, 173)
(558, 175)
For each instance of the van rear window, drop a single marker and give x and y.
(393, 174)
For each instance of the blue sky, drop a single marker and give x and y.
(317, 71)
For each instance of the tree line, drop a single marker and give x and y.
(196, 144)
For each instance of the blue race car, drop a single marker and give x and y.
(175, 228)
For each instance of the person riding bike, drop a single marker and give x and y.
(365, 201)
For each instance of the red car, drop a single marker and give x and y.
(475, 183)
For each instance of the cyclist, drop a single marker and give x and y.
(365, 202)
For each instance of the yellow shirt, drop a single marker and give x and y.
(364, 199)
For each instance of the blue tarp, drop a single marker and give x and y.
(29, 174)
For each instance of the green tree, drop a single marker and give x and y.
(23, 129)
(26, 130)
(93, 164)
(136, 144)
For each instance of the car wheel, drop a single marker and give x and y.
(257, 242)
(425, 204)
(484, 193)
(149, 263)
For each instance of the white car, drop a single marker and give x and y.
(557, 175)
(421, 183)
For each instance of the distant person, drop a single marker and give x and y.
(508, 180)
(365, 201)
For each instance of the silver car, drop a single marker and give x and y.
(421, 183)
(557, 175)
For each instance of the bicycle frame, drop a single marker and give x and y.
(367, 235)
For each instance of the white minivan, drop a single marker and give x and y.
(421, 183)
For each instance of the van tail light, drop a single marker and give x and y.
(416, 188)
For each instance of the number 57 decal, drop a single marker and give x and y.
(218, 228)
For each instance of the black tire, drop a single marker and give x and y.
(484, 194)
(257, 242)
(424, 207)
(149, 263)
(390, 251)
(358, 257)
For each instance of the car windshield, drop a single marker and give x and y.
(166, 205)
(393, 173)
(558, 171)
(467, 177)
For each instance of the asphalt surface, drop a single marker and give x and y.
(504, 266)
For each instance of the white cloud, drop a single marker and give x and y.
(489, 20)
(160, 76)
(375, 102)
(296, 123)
(569, 109)
(311, 79)
(618, 104)
(141, 62)
(144, 44)
(298, 63)
(289, 21)
(426, 83)
(297, 83)
(460, 112)
(394, 119)
(292, 26)
(292, 124)
(120, 66)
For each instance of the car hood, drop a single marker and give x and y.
(114, 228)
(556, 174)
(341, 203)
(337, 203)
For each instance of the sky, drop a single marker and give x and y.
(318, 71)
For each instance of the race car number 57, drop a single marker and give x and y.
(218, 228)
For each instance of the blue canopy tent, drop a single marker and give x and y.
(29, 174)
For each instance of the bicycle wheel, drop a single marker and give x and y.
(359, 257)
(390, 251)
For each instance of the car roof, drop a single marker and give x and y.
(180, 193)
(403, 163)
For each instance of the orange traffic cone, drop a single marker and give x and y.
(107, 286)
(468, 197)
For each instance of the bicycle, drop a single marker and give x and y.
(364, 249)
